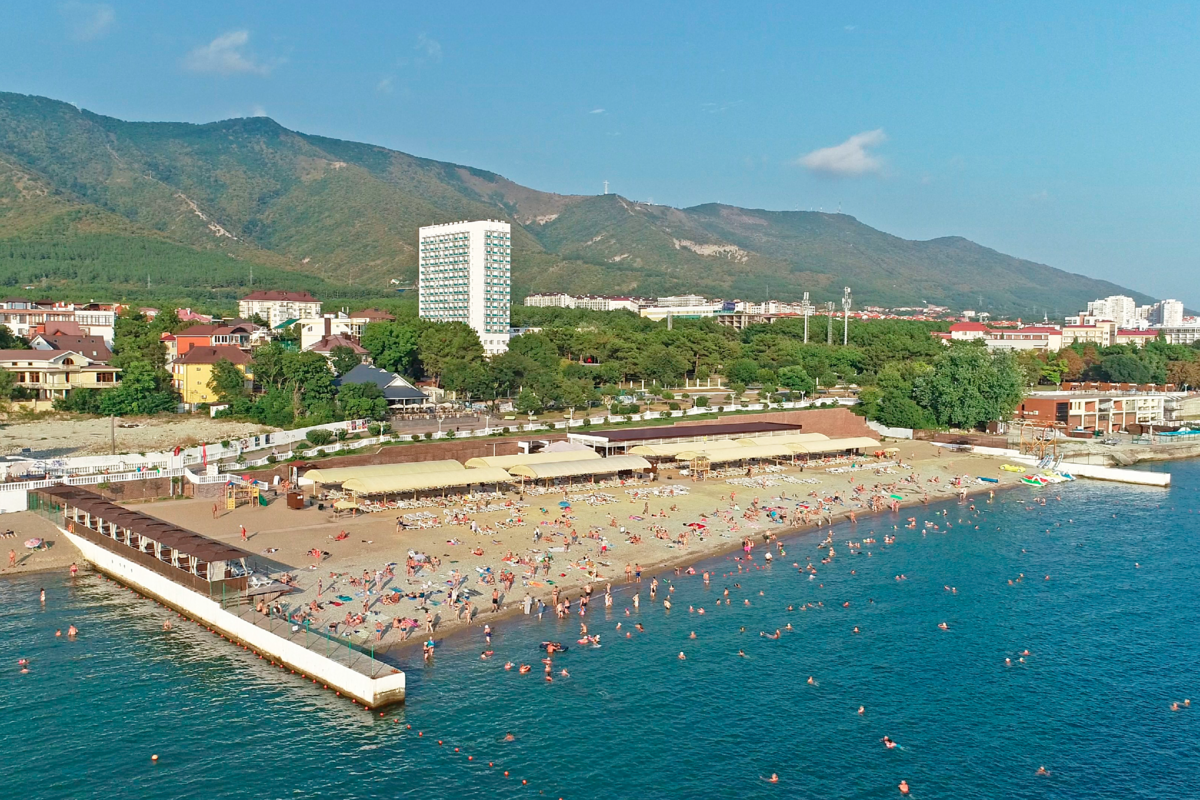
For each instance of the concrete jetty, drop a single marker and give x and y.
(213, 583)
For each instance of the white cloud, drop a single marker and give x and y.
(850, 159)
(596, 111)
(257, 111)
(428, 49)
(227, 55)
(384, 86)
(87, 21)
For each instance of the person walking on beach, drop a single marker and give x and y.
(495, 600)
(12, 558)
(243, 527)
(528, 603)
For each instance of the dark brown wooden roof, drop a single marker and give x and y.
(187, 542)
(688, 431)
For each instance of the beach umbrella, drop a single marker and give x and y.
(564, 504)
(896, 496)
(33, 544)
(696, 525)
(345, 504)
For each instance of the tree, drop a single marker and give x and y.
(227, 381)
(270, 365)
(663, 366)
(1125, 368)
(898, 411)
(134, 340)
(528, 402)
(343, 358)
(443, 342)
(138, 393)
(1184, 373)
(392, 345)
(537, 347)
(796, 380)
(310, 380)
(1075, 365)
(744, 370)
(970, 386)
(362, 401)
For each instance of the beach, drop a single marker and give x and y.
(358, 546)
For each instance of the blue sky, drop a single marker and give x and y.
(1061, 132)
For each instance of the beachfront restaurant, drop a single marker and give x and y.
(190, 559)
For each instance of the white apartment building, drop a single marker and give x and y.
(1117, 308)
(277, 306)
(465, 275)
(1167, 313)
(558, 300)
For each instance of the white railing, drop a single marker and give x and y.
(92, 480)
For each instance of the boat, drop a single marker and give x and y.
(1034, 480)
(1011, 468)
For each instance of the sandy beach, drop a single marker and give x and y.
(509, 541)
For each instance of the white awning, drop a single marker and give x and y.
(571, 469)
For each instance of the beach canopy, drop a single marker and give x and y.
(787, 438)
(572, 469)
(725, 456)
(416, 482)
(504, 462)
(343, 474)
(345, 505)
(835, 445)
(674, 448)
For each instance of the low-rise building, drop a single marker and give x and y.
(277, 306)
(53, 373)
(398, 392)
(93, 347)
(191, 371)
(1107, 412)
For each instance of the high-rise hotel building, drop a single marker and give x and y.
(465, 275)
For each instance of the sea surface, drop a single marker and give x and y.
(1109, 608)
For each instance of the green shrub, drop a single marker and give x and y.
(428, 434)
(673, 406)
(319, 436)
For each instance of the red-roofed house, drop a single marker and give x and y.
(192, 370)
(53, 373)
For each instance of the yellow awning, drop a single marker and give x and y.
(571, 469)
(417, 482)
(836, 445)
(505, 462)
(342, 474)
(667, 450)
(739, 453)
(790, 438)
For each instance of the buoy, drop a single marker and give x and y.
(420, 733)
(506, 773)
(470, 758)
(456, 749)
(154, 757)
(490, 764)
(439, 742)
(523, 781)
(409, 727)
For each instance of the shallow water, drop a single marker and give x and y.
(1113, 646)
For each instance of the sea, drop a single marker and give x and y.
(1099, 582)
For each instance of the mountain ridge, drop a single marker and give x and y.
(346, 213)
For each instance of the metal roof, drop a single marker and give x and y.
(187, 542)
(661, 450)
(690, 431)
(726, 455)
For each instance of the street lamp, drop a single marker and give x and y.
(808, 309)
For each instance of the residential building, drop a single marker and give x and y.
(237, 334)
(327, 344)
(683, 301)
(1046, 338)
(465, 275)
(278, 306)
(93, 347)
(557, 300)
(398, 392)
(1167, 314)
(53, 373)
(1182, 334)
(313, 330)
(590, 302)
(1102, 333)
(27, 319)
(1118, 308)
(1107, 412)
(1137, 338)
(192, 370)
(373, 315)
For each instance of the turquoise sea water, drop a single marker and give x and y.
(1112, 646)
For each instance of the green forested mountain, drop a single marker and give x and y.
(91, 201)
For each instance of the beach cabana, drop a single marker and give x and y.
(343, 474)
(424, 481)
(575, 469)
(507, 462)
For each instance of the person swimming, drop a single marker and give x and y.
(888, 743)
(862, 710)
(1042, 771)
(903, 787)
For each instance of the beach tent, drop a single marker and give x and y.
(725, 456)
(573, 469)
(421, 481)
(342, 474)
(506, 462)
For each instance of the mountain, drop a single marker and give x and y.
(89, 200)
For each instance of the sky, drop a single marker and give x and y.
(1065, 132)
